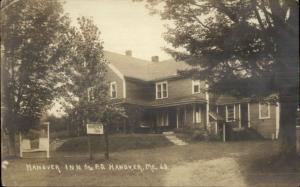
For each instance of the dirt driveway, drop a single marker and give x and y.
(217, 172)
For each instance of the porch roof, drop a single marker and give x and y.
(177, 101)
(227, 99)
(167, 102)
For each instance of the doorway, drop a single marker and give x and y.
(244, 115)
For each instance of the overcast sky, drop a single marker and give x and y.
(125, 25)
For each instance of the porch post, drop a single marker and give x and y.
(216, 127)
(48, 145)
(224, 133)
(249, 124)
(20, 139)
(177, 124)
(277, 119)
(240, 120)
(184, 114)
(194, 113)
(207, 107)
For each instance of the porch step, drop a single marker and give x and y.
(168, 132)
(172, 138)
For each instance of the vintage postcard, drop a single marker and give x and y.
(150, 93)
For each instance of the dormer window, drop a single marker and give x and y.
(161, 90)
(91, 94)
(113, 90)
(196, 86)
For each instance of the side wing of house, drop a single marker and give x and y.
(265, 119)
(262, 117)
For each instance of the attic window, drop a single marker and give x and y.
(196, 86)
(161, 90)
(113, 90)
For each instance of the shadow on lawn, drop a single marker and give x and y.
(270, 169)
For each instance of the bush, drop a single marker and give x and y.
(117, 142)
(246, 134)
(192, 134)
(214, 137)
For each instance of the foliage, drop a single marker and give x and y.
(118, 142)
(33, 44)
(86, 68)
(244, 47)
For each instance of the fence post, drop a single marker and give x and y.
(224, 132)
(298, 139)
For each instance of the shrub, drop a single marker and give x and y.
(192, 134)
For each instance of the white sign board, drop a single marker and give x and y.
(94, 128)
(37, 144)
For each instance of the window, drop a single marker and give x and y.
(230, 113)
(196, 86)
(161, 90)
(162, 119)
(113, 90)
(91, 93)
(264, 110)
(197, 118)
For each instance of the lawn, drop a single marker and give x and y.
(117, 142)
(254, 162)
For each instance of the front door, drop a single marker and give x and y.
(244, 115)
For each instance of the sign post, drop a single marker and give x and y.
(93, 129)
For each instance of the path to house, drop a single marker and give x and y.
(172, 138)
(56, 144)
(217, 172)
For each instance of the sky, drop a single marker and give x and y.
(124, 25)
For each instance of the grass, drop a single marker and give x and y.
(255, 160)
(117, 142)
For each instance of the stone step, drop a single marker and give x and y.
(172, 138)
(168, 132)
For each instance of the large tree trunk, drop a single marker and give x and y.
(287, 135)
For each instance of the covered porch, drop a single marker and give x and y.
(190, 115)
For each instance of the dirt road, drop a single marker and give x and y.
(218, 172)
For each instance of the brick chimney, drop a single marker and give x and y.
(128, 53)
(155, 59)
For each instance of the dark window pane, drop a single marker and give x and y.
(196, 88)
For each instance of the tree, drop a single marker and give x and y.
(112, 112)
(247, 48)
(86, 68)
(33, 44)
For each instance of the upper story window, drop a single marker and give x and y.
(230, 113)
(113, 90)
(161, 90)
(264, 110)
(91, 93)
(196, 86)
